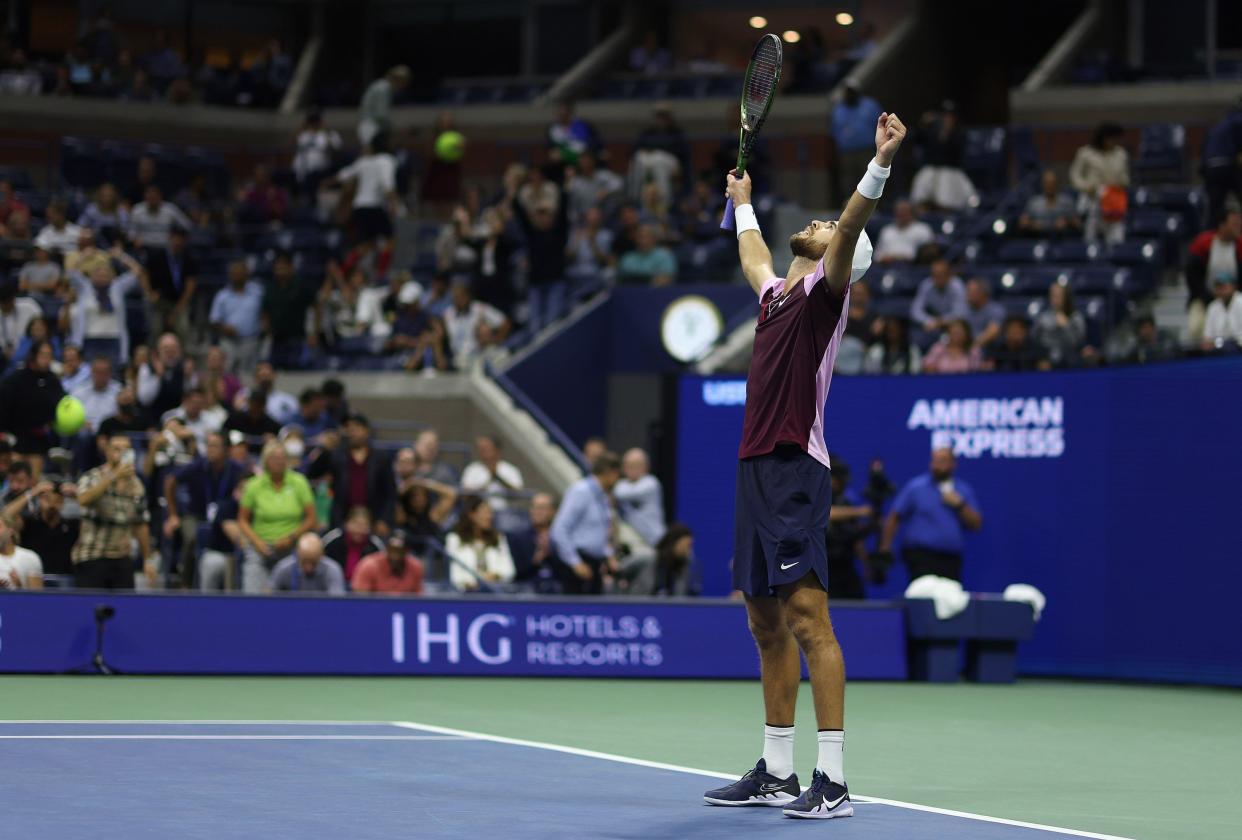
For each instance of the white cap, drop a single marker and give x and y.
(862, 257)
(411, 292)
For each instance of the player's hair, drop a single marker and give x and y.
(605, 462)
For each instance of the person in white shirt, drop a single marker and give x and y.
(151, 220)
(195, 415)
(98, 395)
(472, 325)
(488, 474)
(640, 497)
(59, 234)
(479, 553)
(1224, 314)
(314, 147)
(281, 406)
(97, 311)
(16, 313)
(20, 568)
(72, 372)
(901, 239)
(374, 176)
(1101, 166)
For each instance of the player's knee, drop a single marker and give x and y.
(768, 633)
(809, 627)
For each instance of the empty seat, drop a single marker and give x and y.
(1073, 251)
(1022, 251)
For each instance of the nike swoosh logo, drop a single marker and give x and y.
(785, 566)
(769, 788)
(835, 802)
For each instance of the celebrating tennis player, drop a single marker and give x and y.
(784, 488)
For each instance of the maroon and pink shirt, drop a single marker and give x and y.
(796, 343)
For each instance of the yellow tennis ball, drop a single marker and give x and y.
(451, 146)
(70, 416)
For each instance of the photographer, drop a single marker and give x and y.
(849, 523)
(44, 528)
(114, 513)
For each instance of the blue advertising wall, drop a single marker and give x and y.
(1116, 492)
(205, 634)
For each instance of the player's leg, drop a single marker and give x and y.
(806, 613)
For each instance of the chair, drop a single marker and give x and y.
(1162, 152)
(1022, 251)
(898, 281)
(1073, 251)
(984, 159)
(1100, 280)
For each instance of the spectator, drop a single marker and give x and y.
(394, 570)
(479, 553)
(207, 485)
(280, 405)
(334, 401)
(19, 482)
(1224, 316)
(98, 394)
(36, 331)
(955, 353)
(352, 541)
(261, 201)
(95, 317)
(307, 570)
(849, 523)
(591, 185)
(16, 313)
(375, 110)
(152, 220)
(253, 422)
(288, 303)
(194, 414)
(28, 398)
(163, 63)
(315, 148)
(674, 565)
(1213, 253)
(312, 417)
(640, 497)
(10, 203)
(489, 475)
(40, 277)
(352, 313)
(59, 234)
(277, 508)
(72, 372)
(423, 507)
(936, 510)
(1051, 212)
(863, 327)
(125, 420)
(472, 326)
(649, 58)
(140, 88)
(170, 280)
(590, 248)
(700, 213)
(534, 552)
(1014, 351)
(1144, 344)
(894, 354)
(570, 138)
(592, 448)
(216, 377)
(144, 177)
(1100, 173)
(583, 526)
(235, 316)
(904, 237)
(941, 298)
(853, 132)
(47, 532)
(362, 476)
(983, 314)
(162, 380)
(1222, 163)
(106, 215)
(19, 78)
(1061, 330)
(427, 459)
(545, 227)
(941, 182)
(114, 513)
(494, 250)
(625, 236)
(416, 334)
(375, 199)
(88, 256)
(663, 134)
(650, 263)
(20, 568)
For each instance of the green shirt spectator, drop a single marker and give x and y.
(277, 510)
(650, 262)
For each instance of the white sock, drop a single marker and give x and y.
(831, 761)
(778, 743)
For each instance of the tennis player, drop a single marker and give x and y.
(784, 490)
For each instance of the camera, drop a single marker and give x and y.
(103, 612)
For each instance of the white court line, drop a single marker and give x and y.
(659, 765)
(156, 721)
(232, 738)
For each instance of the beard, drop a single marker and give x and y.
(803, 244)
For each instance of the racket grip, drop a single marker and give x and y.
(727, 222)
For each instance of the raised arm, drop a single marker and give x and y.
(839, 259)
(751, 249)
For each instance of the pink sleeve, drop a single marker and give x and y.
(773, 282)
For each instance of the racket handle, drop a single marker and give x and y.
(727, 222)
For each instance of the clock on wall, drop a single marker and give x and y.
(689, 327)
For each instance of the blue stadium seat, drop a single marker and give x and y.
(893, 307)
(1100, 280)
(1073, 251)
(1035, 279)
(1162, 151)
(1022, 251)
(17, 177)
(1025, 154)
(1144, 258)
(81, 163)
(984, 159)
(1155, 223)
(1024, 307)
(898, 281)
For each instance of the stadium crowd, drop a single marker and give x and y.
(271, 492)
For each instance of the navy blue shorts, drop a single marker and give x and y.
(780, 522)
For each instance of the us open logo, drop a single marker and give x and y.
(1016, 427)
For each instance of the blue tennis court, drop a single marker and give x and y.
(237, 779)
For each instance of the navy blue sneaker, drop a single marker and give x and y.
(823, 800)
(758, 787)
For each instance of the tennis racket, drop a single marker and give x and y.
(758, 91)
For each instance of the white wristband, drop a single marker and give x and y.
(744, 219)
(872, 184)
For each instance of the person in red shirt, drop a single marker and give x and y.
(352, 542)
(1213, 252)
(393, 570)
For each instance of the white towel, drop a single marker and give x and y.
(948, 598)
(1027, 593)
